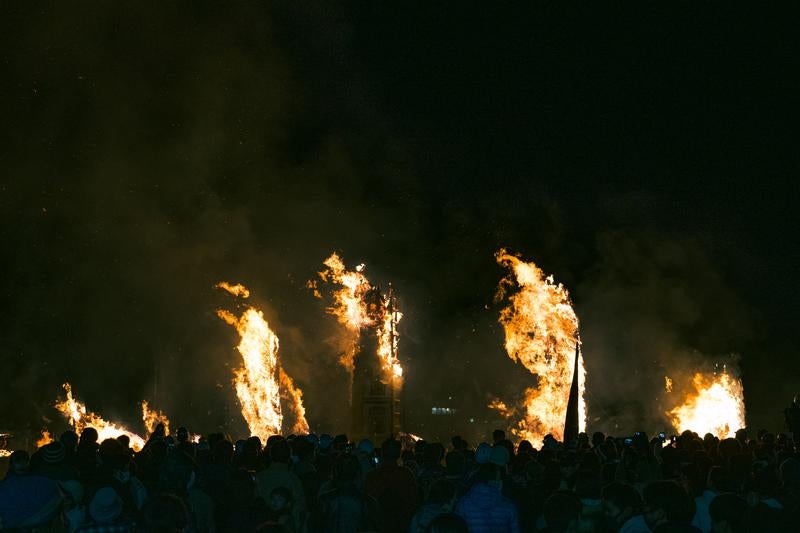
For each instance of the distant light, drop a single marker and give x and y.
(443, 410)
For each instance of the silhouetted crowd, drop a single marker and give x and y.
(327, 484)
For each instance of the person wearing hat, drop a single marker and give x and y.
(27, 500)
(51, 462)
(105, 511)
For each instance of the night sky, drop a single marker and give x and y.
(646, 156)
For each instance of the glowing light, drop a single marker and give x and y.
(80, 418)
(714, 404)
(541, 330)
(44, 439)
(153, 417)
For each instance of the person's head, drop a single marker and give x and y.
(455, 463)
(498, 435)
(719, 479)
(88, 436)
(667, 502)
(165, 513)
(125, 441)
(280, 499)
(727, 512)
(447, 523)
(53, 453)
(346, 470)
(160, 430)
(222, 452)
(620, 503)
(458, 443)
(19, 462)
(598, 438)
(434, 453)
(483, 453)
(183, 434)
(562, 511)
(106, 506)
(365, 447)
(70, 441)
(280, 451)
(390, 451)
(525, 448)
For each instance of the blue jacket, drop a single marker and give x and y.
(486, 510)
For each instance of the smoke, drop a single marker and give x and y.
(147, 156)
(653, 305)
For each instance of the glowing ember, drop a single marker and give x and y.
(357, 304)
(501, 407)
(44, 439)
(541, 330)
(236, 290)
(153, 417)
(3, 443)
(714, 405)
(667, 384)
(259, 381)
(5, 453)
(80, 418)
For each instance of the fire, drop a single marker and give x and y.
(541, 330)
(714, 405)
(45, 439)
(294, 398)
(153, 417)
(501, 407)
(5, 453)
(358, 304)
(667, 384)
(81, 418)
(260, 382)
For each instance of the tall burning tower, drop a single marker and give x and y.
(375, 401)
(377, 376)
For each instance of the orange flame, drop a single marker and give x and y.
(81, 418)
(541, 330)
(354, 307)
(153, 417)
(44, 439)
(258, 382)
(236, 290)
(714, 405)
(294, 398)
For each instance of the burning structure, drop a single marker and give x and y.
(541, 333)
(377, 377)
(712, 403)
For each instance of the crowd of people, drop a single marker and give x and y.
(328, 484)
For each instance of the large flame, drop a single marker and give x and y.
(260, 381)
(153, 417)
(357, 305)
(541, 330)
(714, 404)
(81, 418)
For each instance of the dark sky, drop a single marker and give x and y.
(643, 155)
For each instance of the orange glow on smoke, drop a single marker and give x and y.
(541, 330)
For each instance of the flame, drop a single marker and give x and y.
(45, 439)
(501, 407)
(294, 398)
(715, 405)
(541, 330)
(236, 290)
(667, 384)
(153, 417)
(260, 382)
(356, 305)
(81, 418)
